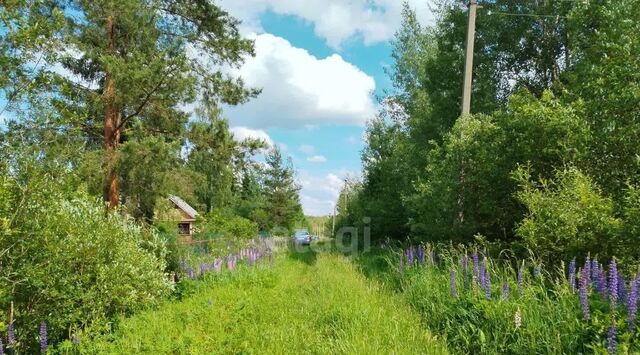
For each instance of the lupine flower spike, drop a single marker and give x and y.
(518, 318)
(1, 347)
(476, 271)
(465, 268)
(572, 275)
(11, 335)
(505, 290)
(632, 303)
(584, 293)
(613, 284)
(43, 338)
(612, 342)
(520, 280)
(487, 283)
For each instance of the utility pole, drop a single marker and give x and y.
(333, 229)
(468, 58)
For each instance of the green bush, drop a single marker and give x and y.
(567, 217)
(219, 224)
(66, 262)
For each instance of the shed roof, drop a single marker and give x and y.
(185, 207)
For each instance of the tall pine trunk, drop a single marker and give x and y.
(111, 126)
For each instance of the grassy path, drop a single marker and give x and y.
(303, 304)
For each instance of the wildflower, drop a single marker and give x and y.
(621, 288)
(481, 273)
(420, 254)
(487, 284)
(595, 271)
(409, 257)
(611, 339)
(452, 282)
(518, 318)
(465, 267)
(476, 272)
(11, 334)
(520, 280)
(1, 347)
(584, 295)
(587, 267)
(505, 290)
(572, 275)
(632, 303)
(613, 284)
(43, 338)
(537, 271)
(601, 282)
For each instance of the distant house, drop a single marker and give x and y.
(186, 216)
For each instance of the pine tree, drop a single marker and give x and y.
(281, 191)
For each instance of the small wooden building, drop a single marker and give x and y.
(187, 216)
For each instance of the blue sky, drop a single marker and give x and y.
(320, 64)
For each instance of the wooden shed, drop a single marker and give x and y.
(187, 216)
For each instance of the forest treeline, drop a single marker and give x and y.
(548, 161)
(107, 108)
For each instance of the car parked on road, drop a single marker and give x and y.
(302, 237)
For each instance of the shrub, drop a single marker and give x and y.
(567, 217)
(218, 223)
(68, 263)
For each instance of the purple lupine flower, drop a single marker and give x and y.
(572, 275)
(409, 257)
(476, 271)
(481, 273)
(452, 283)
(11, 334)
(465, 268)
(587, 267)
(1, 347)
(595, 271)
(43, 338)
(420, 254)
(613, 284)
(601, 282)
(612, 342)
(632, 302)
(520, 280)
(537, 271)
(487, 283)
(622, 294)
(584, 293)
(505, 290)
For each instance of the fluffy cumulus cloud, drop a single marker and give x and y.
(336, 21)
(320, 191)
(300, 90)
(241, 133)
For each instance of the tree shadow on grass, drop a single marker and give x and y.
(303, 253)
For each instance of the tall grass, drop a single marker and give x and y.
(541, 314)
(304, 303)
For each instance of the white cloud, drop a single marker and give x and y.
(336, 21)
(307, 149)
(300, 90)
(317, 159)
(241, 133)
(320, 192)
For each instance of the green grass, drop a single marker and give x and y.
(305, 303)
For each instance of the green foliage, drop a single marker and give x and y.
(305, 302)
(281, 193)
(64, 261)
(551, 321)
(567, 217)
(218, 224)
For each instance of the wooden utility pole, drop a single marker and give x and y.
(468, 58)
